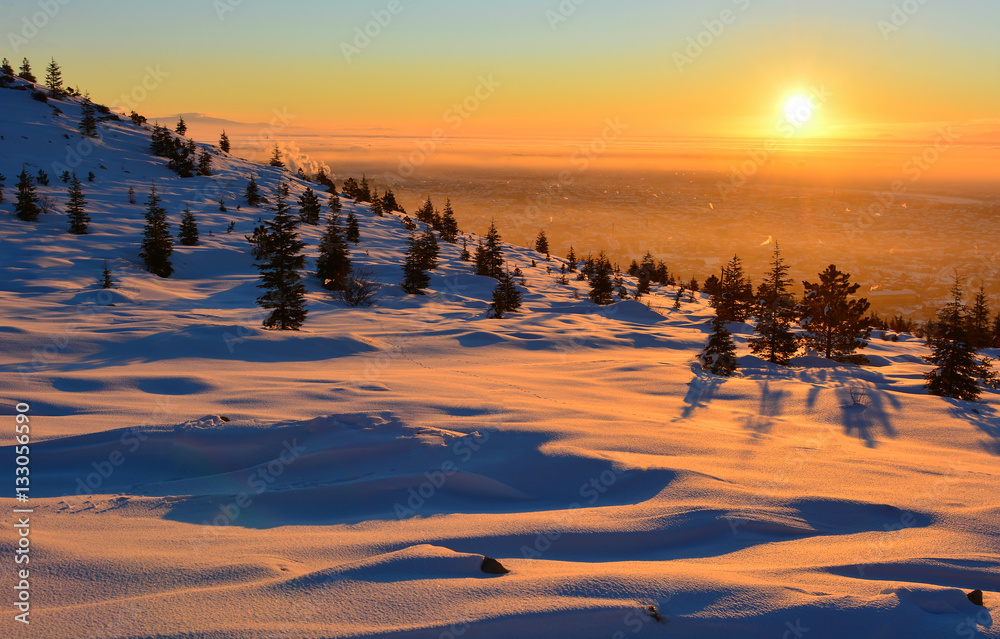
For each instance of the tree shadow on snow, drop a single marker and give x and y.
(983, 417)
(869, 416)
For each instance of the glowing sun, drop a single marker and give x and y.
(799, 110)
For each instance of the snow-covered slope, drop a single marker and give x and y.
(194, 475)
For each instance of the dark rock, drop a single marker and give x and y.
(976, 597)
(493, 567)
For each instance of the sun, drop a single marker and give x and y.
(799, 110)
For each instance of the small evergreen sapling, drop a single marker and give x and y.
(719, 355)
(276, 158)
(182, 127)
(601, 284)
(26, 204)
(506, 297)
(333, 265)
(542, 244)
(224, 142)
(188, 234)
(353, 230)
(25, 72)
(106, 280)
(79, 221)
(415, 278)
(88, 121)
(309, 207)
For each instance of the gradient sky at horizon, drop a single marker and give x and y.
(606, 60)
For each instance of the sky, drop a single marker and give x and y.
(535, 69)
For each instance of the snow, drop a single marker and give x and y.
(347, 480)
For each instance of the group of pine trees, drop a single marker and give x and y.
(833, 322)
(184, 157)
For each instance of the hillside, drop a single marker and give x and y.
(194, 475)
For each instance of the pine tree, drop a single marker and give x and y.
(3, 179)
(353, 230)
(131, 195)
(205, 163)
(351, 188)
(506, 297)
(364, 190)
(333, 265)
(429, 251)
(465, 255)
(957, 370)
(25, 72)
(835, 325)
(309, 207)
(489, 255)
(980, 331)
(224, 142)
(389, 202)
(571, 264)
(6, 69)
(376, 207)
(775, 313)
(542, 244)
(719, 356)
(735, 299)
(26, 205)
(426, 212)
(279, 271)
(161, 143)
(643, 287)
(106, 281)
(415, 278)
(157, 245)
(449, 226)
(79, 221)
(88, 122)
(53, 79)
(43, 178)
(601, 286)
(996, 331)
(188, 234)
(276, 158)
(334, 203)
(252, 195)
(182, 126)
(324, 179)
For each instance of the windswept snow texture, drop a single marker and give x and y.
(194, 475)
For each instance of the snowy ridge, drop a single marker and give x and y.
(195, 475)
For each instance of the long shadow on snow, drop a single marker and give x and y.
(983, 417)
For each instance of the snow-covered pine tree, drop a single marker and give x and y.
(542, 244)
(309, 207)
(719, 355)
(276, 158)
(449, 225)
(835, 326)
(26, 202)
(25, 72)
(76, 211)
(601, 285)
(415, 278)
(224, 143)
(279, 270)
(506, 297)
(775, 313)
(353, 230)
(88, 121)
(957, 369)
(157, 245)
(188, 234)
(53, 79)
(106, 280)
(333, 265)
